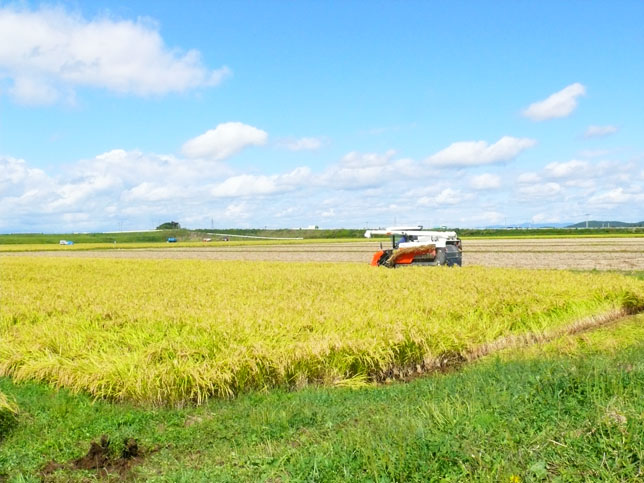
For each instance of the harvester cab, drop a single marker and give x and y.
(415, 246)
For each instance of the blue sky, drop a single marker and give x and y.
(338, 114)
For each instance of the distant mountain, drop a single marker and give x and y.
(605, 224)
(581, 224)
(529, 225)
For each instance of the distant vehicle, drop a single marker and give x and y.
(172, 239)
(65, 242)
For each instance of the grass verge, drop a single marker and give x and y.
(162, 245)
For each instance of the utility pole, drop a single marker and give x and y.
(587, 215)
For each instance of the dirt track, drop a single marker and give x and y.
(578, 253)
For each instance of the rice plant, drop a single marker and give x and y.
(176, 331)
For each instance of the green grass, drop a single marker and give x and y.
(158, 236)
(571, 410)
(85, 246)
(8, 414)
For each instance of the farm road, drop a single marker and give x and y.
(564, 253)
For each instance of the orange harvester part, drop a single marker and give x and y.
(407, 257)
(376, 257)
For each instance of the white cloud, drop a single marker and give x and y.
(151, 192)
(76, 193)
(301, 144)
(237, 211)
(355, 159)
(485, 181)
(559, 104)
(586, 184)
(568, 169)
(133, 190)
(528, 178)
(50, 50)
(33, 91)
(538, 191)
(448, 196)
(367, 170)
(617, 196)
(546, 218)
(16, 177)
(490, 217)
(225, 140)
(477, 153)
(259, 185)
(598, 131)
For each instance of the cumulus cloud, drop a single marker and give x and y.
(447, 196)
(568, 169)
(258, 185)
(367, 170)
(477, 153)
(355, 159)
(134, 190)
(559, 104)
(599, 131)
(48, 51)
(301, 144)
(225, 140)
(237, 211)
(485, 181)
(617, 196)
(546, 218)
(539, 191)
(155, 191)
(528, 178)
(16, 177)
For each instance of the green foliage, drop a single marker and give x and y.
(8, 415)
(549, 232)
(169, 225)
(84, 238)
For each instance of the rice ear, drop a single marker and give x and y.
(419, 250)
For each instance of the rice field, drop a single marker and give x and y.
(177, 331)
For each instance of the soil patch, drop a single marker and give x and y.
(103, 459)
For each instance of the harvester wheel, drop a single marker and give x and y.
(440, 256)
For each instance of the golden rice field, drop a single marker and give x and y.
(172, 331)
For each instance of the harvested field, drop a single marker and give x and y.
(564, 253)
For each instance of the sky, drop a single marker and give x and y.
(125, 115)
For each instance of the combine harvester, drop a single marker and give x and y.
(413, 246)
